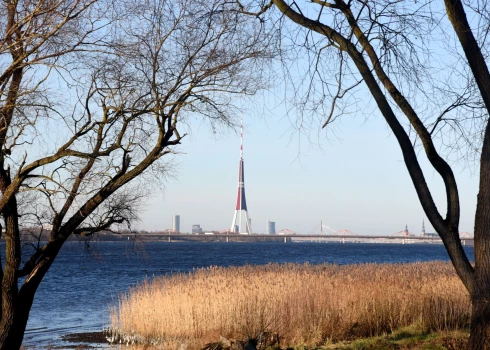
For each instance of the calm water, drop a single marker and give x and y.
(81, 285)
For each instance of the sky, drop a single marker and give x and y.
(350, 177)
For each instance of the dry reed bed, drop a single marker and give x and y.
(304, 304)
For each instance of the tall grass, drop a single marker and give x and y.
(304, 304)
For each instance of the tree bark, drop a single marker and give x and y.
(12, 333)
(9, 279)
(480, 327)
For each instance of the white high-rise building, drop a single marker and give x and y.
(271, 227)
(176, 223)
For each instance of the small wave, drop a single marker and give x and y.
(43, 337)
(62, 329)
(35, 329)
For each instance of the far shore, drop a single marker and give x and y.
(224, 237)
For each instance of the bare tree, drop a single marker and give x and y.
(92, 95)
(424, 65)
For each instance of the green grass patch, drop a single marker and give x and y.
(407, 338)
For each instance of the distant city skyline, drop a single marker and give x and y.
(352, 178)
(269, 228)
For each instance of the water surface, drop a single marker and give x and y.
(82, 283)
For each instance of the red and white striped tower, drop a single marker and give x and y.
(241, 204)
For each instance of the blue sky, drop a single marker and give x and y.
(351, 177)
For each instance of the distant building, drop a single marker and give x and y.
(405, 232)
(176, 223)
(427, 234)
(196, 229)
(271, 227)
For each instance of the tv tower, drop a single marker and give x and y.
(241, 204)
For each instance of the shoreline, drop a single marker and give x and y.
(237, 238)
(401, 339)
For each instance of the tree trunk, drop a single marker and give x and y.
(480, 324)
(10, 299)
(12, 333)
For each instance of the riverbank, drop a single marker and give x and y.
(407, 338)
(106, 236)
(310, 305)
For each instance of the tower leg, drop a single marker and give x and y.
(240, 224)
(233, 223)
(249, 224)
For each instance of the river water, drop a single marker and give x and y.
(85, 281)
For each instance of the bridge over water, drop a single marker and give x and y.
(234, 237)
